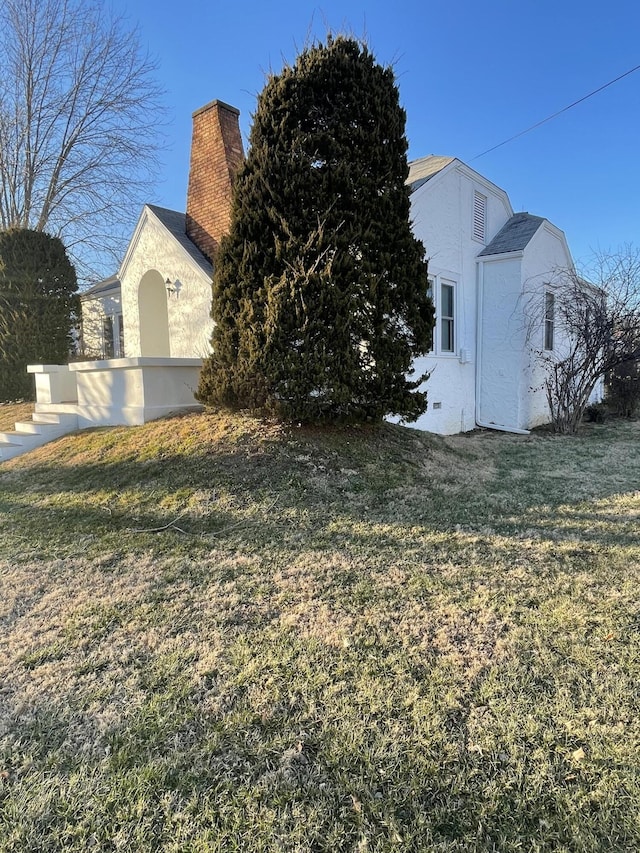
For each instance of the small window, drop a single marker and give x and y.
(447, 308)
(120, 336)
(549, 319)
(108, 343)
(431, 293)
(479, 216)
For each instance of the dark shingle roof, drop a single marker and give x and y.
(175, 223)
(514, 234)
(420, 171)
(102, 288)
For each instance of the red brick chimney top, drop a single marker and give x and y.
(216, 154)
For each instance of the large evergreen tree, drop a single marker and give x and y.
(38, 304)
(320, 289)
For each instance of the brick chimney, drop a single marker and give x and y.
(216, 154)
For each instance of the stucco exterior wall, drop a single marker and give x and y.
(94, 312)
(187, 307)
(511, 391)
(501, 340)
(545, 255)
(134, 390)
(442, 217)
(116, 391)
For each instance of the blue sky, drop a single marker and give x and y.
(471, 74)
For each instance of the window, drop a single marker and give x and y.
(447, 305)
(549, 310)
(442, 292)
(108, 343)
(431, 293)
(120, 336)
(112, 336)
(479, 216)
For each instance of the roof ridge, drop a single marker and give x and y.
(162, 207)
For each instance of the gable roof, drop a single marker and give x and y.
(514, 235)
(175, 223)
(102, 288)
(424, 168)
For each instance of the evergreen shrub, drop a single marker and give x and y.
(38, 307)
(623, 389)
(320, 289)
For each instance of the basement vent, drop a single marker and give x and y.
(479, 216)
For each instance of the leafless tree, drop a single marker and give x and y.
(590, 324)
(80, 125)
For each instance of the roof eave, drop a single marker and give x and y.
(433, 179)
(501, 256)
(99, 294)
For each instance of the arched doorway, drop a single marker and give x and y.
(153, 316)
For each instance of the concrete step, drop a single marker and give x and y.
(71, 408)
(29, 439)
(8, 450)
(60, 418)
(29, 427)
(44, 427)
(14, 443)
(38, 427)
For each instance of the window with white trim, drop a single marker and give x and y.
(549, 320)
(120, 336)
(112, 336)
(431, 293)
(108, 342)
(442, 292)
(447, 318)
(479, 227)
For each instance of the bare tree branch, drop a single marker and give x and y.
(81, 123)
(596, 328)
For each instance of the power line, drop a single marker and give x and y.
(563, 110)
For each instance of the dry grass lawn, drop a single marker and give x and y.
(12, 412)
(221, 634)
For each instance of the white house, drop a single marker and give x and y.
(482, 258)
(161, 295)
(102, 321)
(484, 261)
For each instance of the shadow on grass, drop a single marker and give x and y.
(286, 739)
(314, 488)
